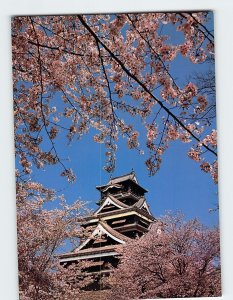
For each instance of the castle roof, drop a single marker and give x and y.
(141, 203)
(123, 213)
(108, 249)
(111, 200)
(104, 228)
(114, 182)
(130, 176)
(101, 228)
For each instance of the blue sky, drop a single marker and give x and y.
(179, 184)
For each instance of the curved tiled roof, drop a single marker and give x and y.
(106, 229)
(122, 205)
(118, 186)
(113, 232)
(134, 208)
(131, 176)
(115, 200)
(123, 178)
(139, 203)
(81, 252)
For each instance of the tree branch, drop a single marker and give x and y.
(140, 83)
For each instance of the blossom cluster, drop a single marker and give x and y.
(103, 70)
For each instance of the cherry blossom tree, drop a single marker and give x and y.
(176, 258)
(81, 72)
(41, 234)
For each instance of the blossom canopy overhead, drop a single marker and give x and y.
(96, 73)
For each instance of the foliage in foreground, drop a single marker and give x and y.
(176, 258)
(41, 234)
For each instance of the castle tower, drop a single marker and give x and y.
(123, 214)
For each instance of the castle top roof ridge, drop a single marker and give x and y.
(124, 177)
(120, 179)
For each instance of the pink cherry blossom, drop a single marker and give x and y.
(176, 258)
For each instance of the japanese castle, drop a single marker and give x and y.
(123, 214)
